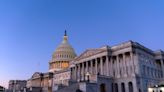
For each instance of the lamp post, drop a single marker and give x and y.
(156, 87)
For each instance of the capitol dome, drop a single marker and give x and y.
(62, 55)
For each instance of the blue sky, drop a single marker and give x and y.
(30, 30)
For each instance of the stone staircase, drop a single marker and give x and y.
(70, 88)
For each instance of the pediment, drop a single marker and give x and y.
(36, 75)
(89, 52)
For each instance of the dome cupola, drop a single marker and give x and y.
(62, 55)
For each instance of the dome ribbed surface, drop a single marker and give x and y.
(64, 51)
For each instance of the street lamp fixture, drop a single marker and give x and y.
(156, 87)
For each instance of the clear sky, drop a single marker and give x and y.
(30, 30)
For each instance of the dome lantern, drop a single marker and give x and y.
(65, 38)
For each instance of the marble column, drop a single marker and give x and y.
(132, 64)
(60, 64)
(96, 64)
(162, 66)
(118, 67)
(101, 66)
(91, 63)
(79, 69)
(107, 65)
(87, 68)
(136, 62)
(75, 72)
(111, 66)
(82, 73)
(124, 65)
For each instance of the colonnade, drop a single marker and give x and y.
(120, 65)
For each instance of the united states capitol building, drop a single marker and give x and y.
(126, 67)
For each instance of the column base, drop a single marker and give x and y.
(118, 76)
(133, 75)
(125, 75)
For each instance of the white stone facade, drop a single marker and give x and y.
(61, 77)
(132, 67)
(126, 67)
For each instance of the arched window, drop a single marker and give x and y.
(123, 87)
(112, 86)
(116, 87)
(139, 90)
(130, 84)
(103, 88)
